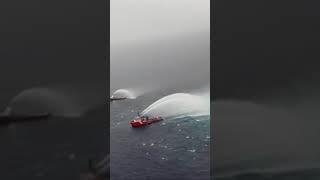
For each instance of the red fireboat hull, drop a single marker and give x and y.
(141, 123)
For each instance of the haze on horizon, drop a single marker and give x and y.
(160, 44)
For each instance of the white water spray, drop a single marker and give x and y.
(57, 101)
(130, 93)
(180, 104)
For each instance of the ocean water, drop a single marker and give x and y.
(56, 148)
(294, 174)
(265, 142)
(176, 148)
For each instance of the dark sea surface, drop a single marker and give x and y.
(294, 174)
(56, 148)
(177, 148)
(266, 142)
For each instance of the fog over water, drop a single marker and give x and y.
(47, 44)
(265, 87)
(53, 58)
(160, 54)
(159, 44)
(181, 62)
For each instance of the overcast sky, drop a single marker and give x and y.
(150, 37)
(132, 20)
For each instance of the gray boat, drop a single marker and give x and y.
(8, 117)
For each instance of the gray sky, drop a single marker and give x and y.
(132, 20)
(163, 43)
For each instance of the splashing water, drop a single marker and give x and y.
(123, 93)
(180, 104)
(130, 93)
(57, 101)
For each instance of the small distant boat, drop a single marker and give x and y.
(140, 121)
(112, 98)
(8, 117)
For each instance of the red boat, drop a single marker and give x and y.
(140, 121)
